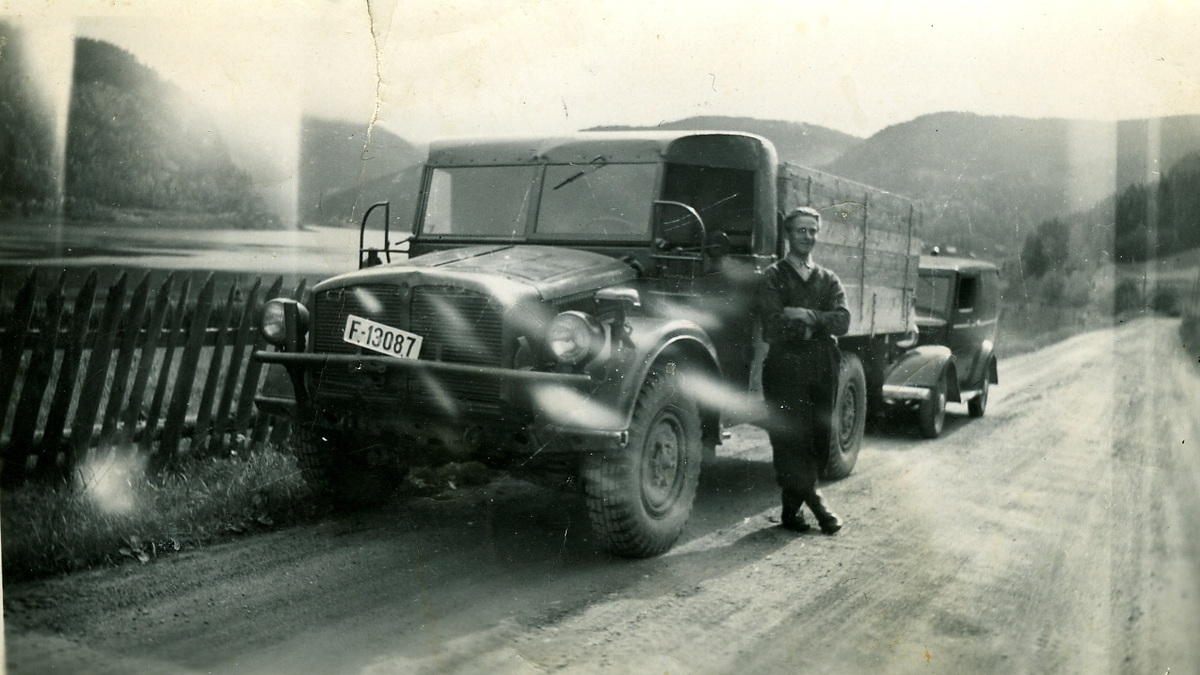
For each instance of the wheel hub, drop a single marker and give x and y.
(660, 465)
(846, 416)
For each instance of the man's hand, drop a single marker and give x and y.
(805, 316)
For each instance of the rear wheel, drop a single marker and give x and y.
(977, 405)
(849, 418)
(639, 497)
(933, 410)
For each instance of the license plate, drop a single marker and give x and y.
(380, 338)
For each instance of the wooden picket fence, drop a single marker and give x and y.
(122, 376)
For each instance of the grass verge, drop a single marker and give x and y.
(115, 511)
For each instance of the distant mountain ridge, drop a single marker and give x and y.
(796, 142)
(984, 181)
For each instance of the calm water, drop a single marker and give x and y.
(315, 252)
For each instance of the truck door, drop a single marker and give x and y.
(970, 326)
(716, 287)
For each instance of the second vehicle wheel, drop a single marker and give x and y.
(933, 410)
(849, 418)
(639, 497)
(977, 405)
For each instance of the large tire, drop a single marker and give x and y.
(315, 456)
(333, 471)
(932, 413)
(849, 418)
(639, 496)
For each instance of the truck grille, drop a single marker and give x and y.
(458, 326)
(378, 302)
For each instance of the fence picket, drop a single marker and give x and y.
(41, 363)
(64, 389)
(149, 350)
(178, 310)
(122, 374)
(235, 368)
(45, 344)
(204, 416)
(245, 407)
(10, 363)
(97, 372)
(14, 342)
(177, 410)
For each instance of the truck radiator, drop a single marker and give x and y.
(458, 326)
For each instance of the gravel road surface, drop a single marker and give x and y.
(1060, 533)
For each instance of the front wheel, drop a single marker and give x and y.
(933, 410)
(639, 497)
(333, 471)
(849, 419)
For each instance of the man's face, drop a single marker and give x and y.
(802, 233)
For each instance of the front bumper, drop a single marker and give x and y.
(380, 363)
(554, 405)
(893, 393)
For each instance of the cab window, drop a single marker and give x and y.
(968, 290)
(933, 291)
(723, 197)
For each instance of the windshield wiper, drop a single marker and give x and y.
(594, 165)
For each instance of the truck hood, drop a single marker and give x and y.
(552, 272)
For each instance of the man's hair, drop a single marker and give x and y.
(803, 211)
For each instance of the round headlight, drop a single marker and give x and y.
(574, 337)
(274, 322)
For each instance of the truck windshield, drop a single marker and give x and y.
(487, 201)
(933, 295)
(596, 200)
(601, 201)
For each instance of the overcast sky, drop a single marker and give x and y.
(488, 66)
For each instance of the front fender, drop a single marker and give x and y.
(609, 406)
(918, 371)
(985, 366)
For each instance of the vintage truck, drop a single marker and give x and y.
(582, 309)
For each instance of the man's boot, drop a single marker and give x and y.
(828, 520)
(791, 518)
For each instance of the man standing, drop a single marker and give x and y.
(803, 309)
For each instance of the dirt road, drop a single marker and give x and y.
(1058, 534)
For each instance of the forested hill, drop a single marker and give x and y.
(986, 181)
(340, 170)
(26, 134)
(136, 143)
(796, 142)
